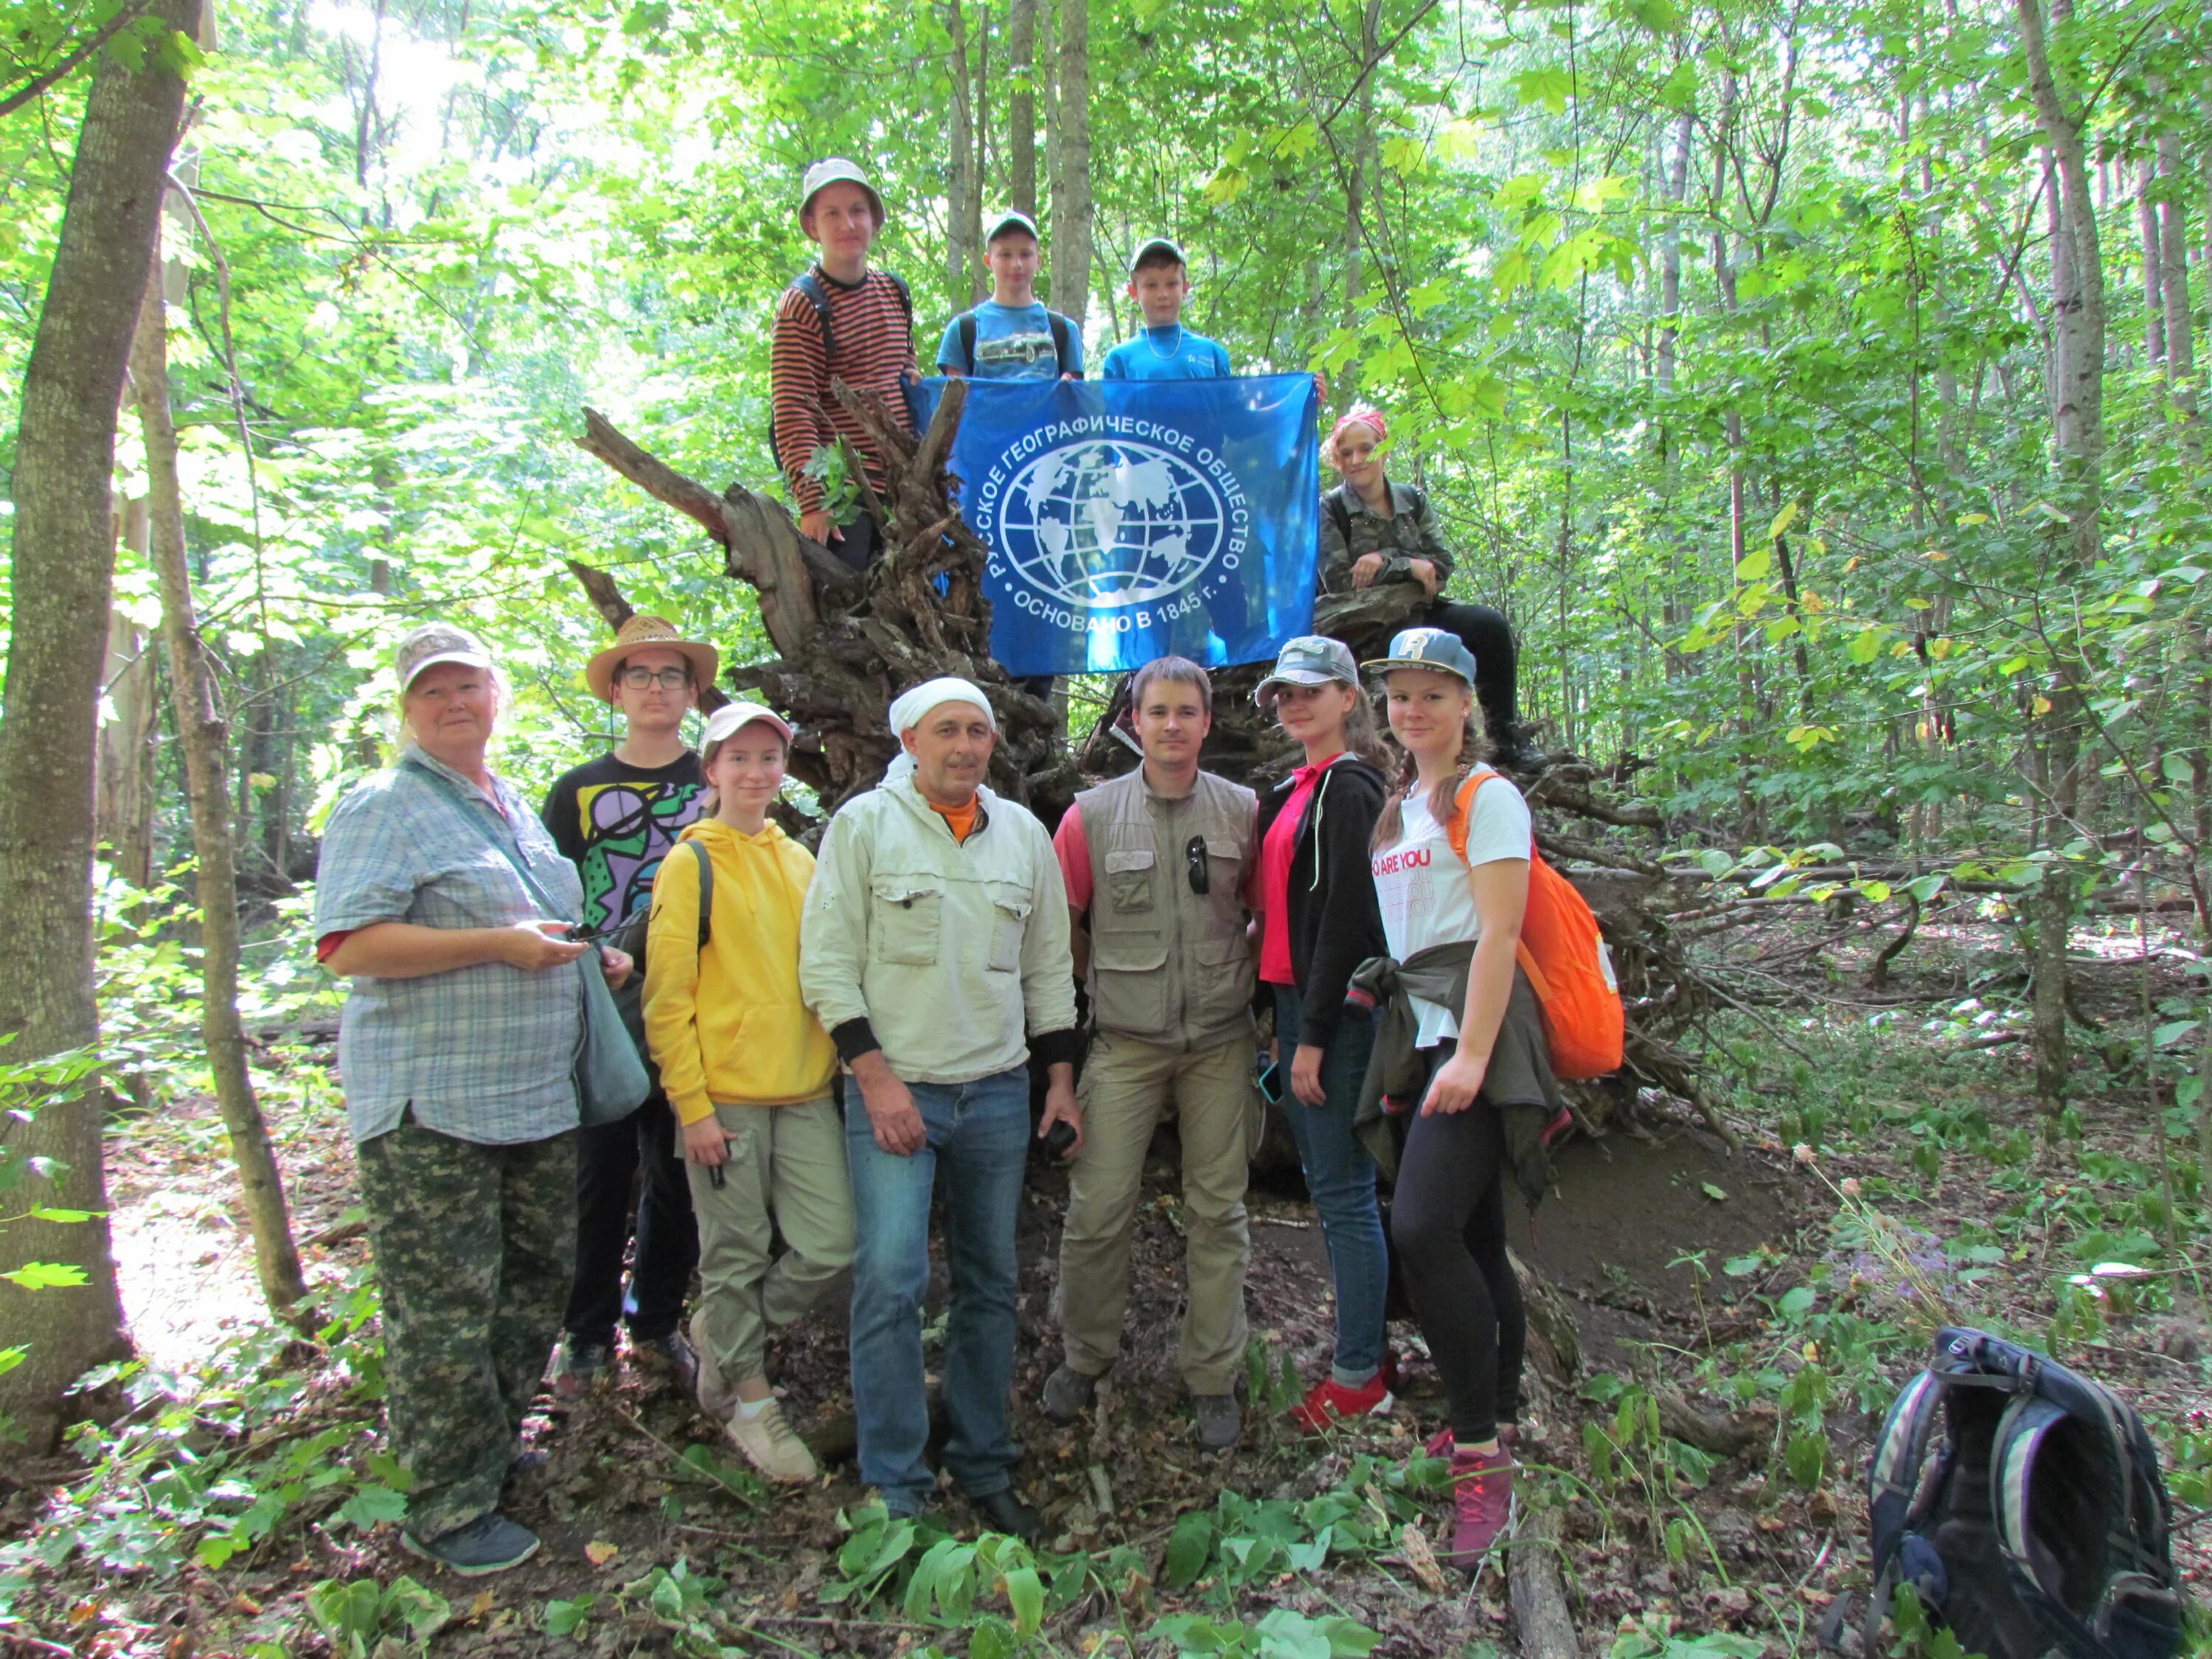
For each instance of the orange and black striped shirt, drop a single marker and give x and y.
(874, 341)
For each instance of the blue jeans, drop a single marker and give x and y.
(1341, 1175)
(978, 1135)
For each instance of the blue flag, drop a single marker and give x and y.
(1130, 520)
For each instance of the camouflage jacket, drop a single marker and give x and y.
(1349, 532)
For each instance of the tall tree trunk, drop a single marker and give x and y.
(2173, 271)
(1670, 312)
(2080, 397)
(963, 231)
(1021, 104)
(1357, 166)
(2078, 404)
(124, 818)
(204, 736)
(2153, 291)
(63, 571)
(1070, 179)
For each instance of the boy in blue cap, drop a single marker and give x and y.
(1012, 336)
(1159, 281)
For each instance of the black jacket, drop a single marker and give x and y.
(1335, 922)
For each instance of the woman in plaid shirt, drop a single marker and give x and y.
(456, 1051)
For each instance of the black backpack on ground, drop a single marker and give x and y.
(809, 282)
(2024, 1504)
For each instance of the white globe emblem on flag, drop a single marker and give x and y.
(1109, 522)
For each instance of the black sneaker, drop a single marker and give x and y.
(1067, 1394)
(1220, 1423)
(490, 1543)
(579, 1367)
(1007, 1514)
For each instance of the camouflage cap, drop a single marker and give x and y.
(1309, 660)
(433, 643)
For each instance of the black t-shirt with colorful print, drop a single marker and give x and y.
(615, 822)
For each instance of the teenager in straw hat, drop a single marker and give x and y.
(615, 818)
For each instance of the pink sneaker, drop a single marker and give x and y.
(1328, 1400)
(1482, 1501)
(1441, 1443)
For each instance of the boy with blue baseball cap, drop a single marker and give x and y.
(1012, 336)
(1159, 281)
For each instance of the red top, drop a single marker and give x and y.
(1272, 891)
(1072, 848)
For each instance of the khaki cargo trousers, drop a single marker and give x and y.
(1129, 1085)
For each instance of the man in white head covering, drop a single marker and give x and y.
(935, 948)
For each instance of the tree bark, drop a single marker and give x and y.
(2173, 272)
(2154, 290)
(1070, 179)
(63, 571)
(1021, 104)
(2079, 397)
(963, 230)
(203, 735)
(124, 818)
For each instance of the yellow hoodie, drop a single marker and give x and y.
(729, 1025)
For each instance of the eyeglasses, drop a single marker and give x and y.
(669, 679)
(1196, 867)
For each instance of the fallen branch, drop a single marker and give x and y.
(1724, 1434)
(1539, 1601)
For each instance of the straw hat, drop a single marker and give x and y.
(643, 632)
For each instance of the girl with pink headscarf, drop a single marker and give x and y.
(1375, 530)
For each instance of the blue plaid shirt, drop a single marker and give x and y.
(484, 1054)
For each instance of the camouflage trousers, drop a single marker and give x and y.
(475, 1248)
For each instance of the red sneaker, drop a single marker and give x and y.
(1328, 1400)
(1482, 1500)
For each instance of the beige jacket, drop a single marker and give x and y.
(949, 951)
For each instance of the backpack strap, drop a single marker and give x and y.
(905, 297)
(1455, 833)
(1063, 341)
(1893, 1473)
(967, 327)
(1340, 514)
(1463, 811)
(809, 283)
(706, 892)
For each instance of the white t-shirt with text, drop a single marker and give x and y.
(1424, 889)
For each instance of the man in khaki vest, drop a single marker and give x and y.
(1158, 861)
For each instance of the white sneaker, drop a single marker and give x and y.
(770, 1445)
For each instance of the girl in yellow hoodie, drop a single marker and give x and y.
(747, 1067)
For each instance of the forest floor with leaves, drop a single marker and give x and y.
(1766, 1303)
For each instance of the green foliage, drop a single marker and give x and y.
(1653, 1637)
(359, 1616)
(209, 1465)
(1280, 1634)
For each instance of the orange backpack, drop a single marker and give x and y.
(1564, 955)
